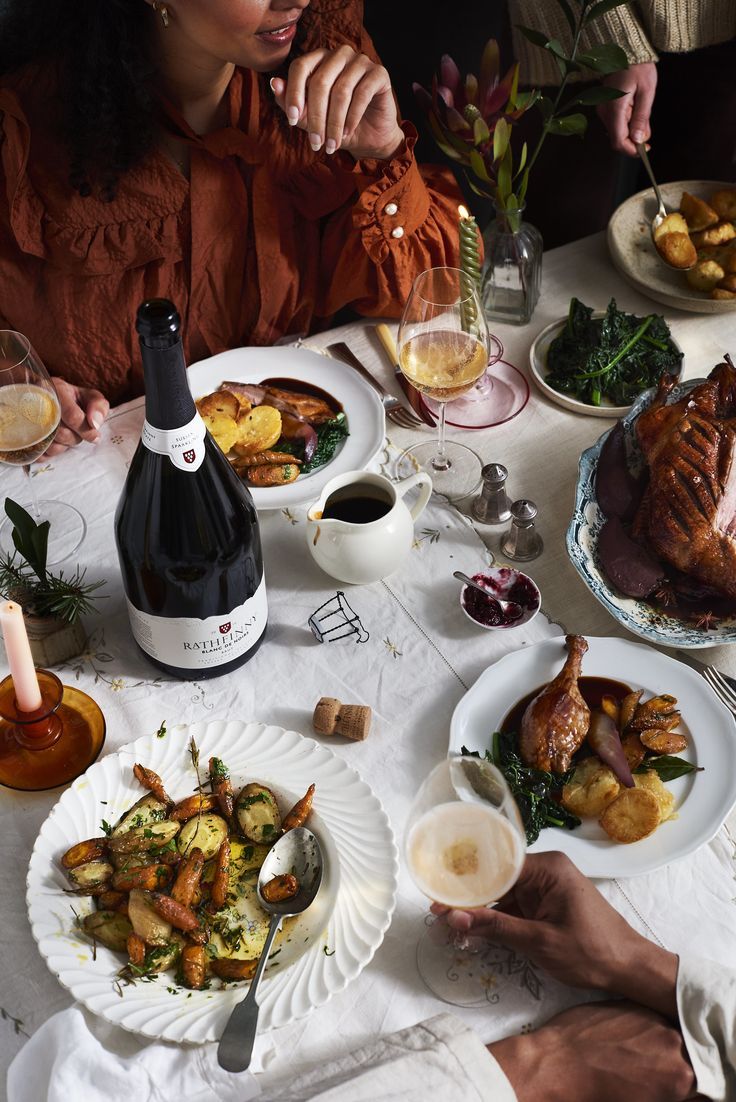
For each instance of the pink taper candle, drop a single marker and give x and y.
(20, 660)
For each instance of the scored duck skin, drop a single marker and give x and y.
(556, 722)
(689, 513)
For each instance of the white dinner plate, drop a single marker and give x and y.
(329, 945)
(633, 253)
(702, 800)
(362, 406)
(538, 363)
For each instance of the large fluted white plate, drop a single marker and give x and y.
(362, 406)
(632, 251)
(332, 942)
(702, 800)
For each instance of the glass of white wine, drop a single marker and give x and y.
(29, 417)
(464, 846)
(444, 347)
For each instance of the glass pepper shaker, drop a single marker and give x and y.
(491, 506)
(522, 542)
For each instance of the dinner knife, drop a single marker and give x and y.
(386, 338)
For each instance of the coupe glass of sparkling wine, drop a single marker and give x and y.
(464, 846)
(29, 417)
(444, 347)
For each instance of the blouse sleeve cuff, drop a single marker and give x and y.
(706, 1002)
(392, 200)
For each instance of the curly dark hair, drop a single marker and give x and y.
(101, 50)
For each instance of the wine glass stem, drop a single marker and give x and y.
(440, 461)
(32, 492)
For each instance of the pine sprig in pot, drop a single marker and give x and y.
(24, 577)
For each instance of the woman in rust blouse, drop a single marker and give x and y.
(242, 157)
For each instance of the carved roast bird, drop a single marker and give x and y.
(688, 514)
(556, 722)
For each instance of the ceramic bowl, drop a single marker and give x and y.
(506, 584)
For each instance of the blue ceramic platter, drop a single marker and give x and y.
(582, 547)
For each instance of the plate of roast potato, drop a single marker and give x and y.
(697, 241)
(271, 408)
(141, 886)
(623, 831)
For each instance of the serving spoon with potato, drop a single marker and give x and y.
(287, 884)
(691, 258)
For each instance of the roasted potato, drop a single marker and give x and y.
(728, 283)
(633, 815)
(258, 430)
(224, 430)
(611, 707)
(109, 928)
(722, 294)
(651, 782)
(222, 402)
(673, 223)
(714, 235)
(206, 832)
(654, 712)
(705, 275)
(162, 957)
(146, 838)
(697, 213)
(633, 750)
(677, 249)
(272, 474)
(147, 922)
(91, 877)
(258, 814)
(144, 812)
(628, 708)
(724, 203)
(663, 742)
(592, 787)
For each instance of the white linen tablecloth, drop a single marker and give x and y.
(421, 656)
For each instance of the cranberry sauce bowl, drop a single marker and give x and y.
(503, 583)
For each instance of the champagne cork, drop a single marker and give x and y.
(331, 717)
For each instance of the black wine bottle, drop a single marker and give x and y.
(186, 527)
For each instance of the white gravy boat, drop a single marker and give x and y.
(368, 530)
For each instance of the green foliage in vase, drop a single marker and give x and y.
(472, 118)
(25, 578)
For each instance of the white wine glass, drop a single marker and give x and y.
(464, 846)
(444, 346)
(29, 417)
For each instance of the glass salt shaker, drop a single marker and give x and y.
(522, 542)
(491, 506)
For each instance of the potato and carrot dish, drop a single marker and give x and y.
(175, 884)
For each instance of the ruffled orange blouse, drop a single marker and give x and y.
(266, 239)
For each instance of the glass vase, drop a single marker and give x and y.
(512, 270)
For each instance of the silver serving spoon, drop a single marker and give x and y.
(509, 610)
(661, 214)
(297, 852)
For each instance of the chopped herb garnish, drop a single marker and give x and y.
(328, 952)
(106, 828)
(162, 730)
(267, 829)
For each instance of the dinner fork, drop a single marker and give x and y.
(395, 410)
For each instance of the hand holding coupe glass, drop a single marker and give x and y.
(33, 410)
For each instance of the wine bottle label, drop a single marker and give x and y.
(189, 643)
(184, 446)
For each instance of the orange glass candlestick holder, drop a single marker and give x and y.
(53, 744)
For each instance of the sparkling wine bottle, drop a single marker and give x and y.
(186, 527)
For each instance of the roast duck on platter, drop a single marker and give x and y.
(671, 532)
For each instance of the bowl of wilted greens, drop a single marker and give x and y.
(598, 362)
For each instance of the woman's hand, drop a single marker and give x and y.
(555, 916)
(343, 100)
(83, 411)
(627, 118)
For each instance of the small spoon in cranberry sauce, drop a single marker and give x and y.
(507, 611)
